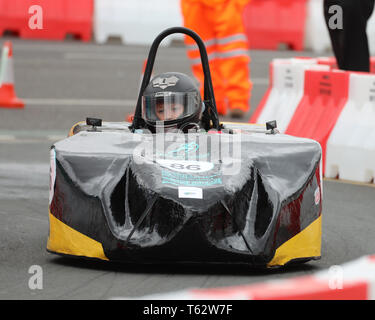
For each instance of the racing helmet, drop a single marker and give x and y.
(171, 101)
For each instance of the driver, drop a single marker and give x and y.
(172, 101)
(169, 112)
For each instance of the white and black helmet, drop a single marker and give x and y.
(171, 100)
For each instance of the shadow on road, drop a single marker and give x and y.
(183, 268)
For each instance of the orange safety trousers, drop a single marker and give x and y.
(221, 28)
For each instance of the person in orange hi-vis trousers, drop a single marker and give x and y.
(219, 24)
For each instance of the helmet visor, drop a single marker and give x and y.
(169, 106)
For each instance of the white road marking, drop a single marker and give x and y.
(30, 136)
(113, 56)
(56, 137)
(6, 137)
(80, 102)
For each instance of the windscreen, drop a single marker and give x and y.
(167, 106)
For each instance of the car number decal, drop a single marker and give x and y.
(186, 166)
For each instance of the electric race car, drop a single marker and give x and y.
(215, 193)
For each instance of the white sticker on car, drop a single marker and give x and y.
(190, 192)
(52, 174)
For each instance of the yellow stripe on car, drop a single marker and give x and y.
(66, 240)
(305, 244)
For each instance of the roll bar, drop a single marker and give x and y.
(210, 113)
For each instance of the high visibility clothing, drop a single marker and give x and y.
(219, 24)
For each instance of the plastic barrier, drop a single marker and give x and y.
(286, 92)
(269, 23)
(8, 98)
(328, 61)
(325, 95)
(316, 33)
(352, 281)
(59, 18)
(372, 64)
(351, 145)
(118, 18)
(332, 63)
(371, 33)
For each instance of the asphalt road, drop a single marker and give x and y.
(63, 83)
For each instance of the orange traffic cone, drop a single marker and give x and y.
(130, 117)
(8, 98)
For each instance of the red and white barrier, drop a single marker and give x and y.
(351, 145)
(286, 92)
(299, 24)
(334, 107)
(55, 18)
(8, 97)
(270, 23)
(136, 22)
(325, 96)
(328, 61)
(316, 32)
(351, 281)
(371, 34)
